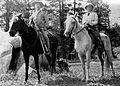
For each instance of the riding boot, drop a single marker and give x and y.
(97, 39)
(100, 43)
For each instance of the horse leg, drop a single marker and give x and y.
(54, 57)
(49, 58)
(109, 54)
(113, 72)
(26, 57)
(83, 66)
(53, 62)
(100, 53)
(87, 65)
(36, 59)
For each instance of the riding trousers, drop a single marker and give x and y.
(96, 36)
(45, 35)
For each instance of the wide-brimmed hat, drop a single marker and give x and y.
(37, 2)
(89, 4)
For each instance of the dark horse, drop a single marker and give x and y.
(31, 45)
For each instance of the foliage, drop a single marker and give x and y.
(114, 34)
(10, 6)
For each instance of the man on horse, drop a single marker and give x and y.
(39, 21)
(90, 21)
(26, 15)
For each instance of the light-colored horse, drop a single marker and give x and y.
(84, 46)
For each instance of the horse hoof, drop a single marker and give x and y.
(83, 80)
(113, 73)
(88, 81)
(25, 83)
(101, 77)
(38, 82)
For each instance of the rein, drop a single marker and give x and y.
(76, 27)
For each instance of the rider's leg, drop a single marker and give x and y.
(97, 37)
(46, 39)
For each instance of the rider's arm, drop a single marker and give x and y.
(95, 19)
(84, 19)
(31, 20)
(46, 20)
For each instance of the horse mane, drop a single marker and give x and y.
(15, 18)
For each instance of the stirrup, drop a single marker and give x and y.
(48, 52)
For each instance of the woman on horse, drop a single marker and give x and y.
(90, 21)
(39, 21)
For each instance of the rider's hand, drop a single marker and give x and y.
(86, 24)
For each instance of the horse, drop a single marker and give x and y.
(31, 44)
(84, 47)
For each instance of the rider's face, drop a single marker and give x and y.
(89, 8)
(37, 6)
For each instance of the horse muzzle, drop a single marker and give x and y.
(12, 33)
(67, 34)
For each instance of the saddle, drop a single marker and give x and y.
(90, 30)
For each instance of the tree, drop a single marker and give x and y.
(103, 11)
(8, 7)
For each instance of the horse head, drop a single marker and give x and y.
(70, 25)
(17, 25)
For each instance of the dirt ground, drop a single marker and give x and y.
(73, 78)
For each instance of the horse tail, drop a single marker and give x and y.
(14, 59)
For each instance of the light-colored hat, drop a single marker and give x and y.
(89, 4)
(37, 2)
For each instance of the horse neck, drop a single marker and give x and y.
(23, 32)
(82, 35)
(29, 37)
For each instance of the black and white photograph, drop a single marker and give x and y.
(59, 42)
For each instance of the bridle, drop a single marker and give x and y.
(75, 26)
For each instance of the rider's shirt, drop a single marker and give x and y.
(90, 18)
(34, 16)
(42, 19)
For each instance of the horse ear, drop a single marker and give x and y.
(15, 19)
(19, 16)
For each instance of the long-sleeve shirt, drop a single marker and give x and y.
(40, 19)
(90, 18)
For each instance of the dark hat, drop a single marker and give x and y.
(37, 2)
(26, 14)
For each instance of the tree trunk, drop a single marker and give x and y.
(7, 15)
(74, 5)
